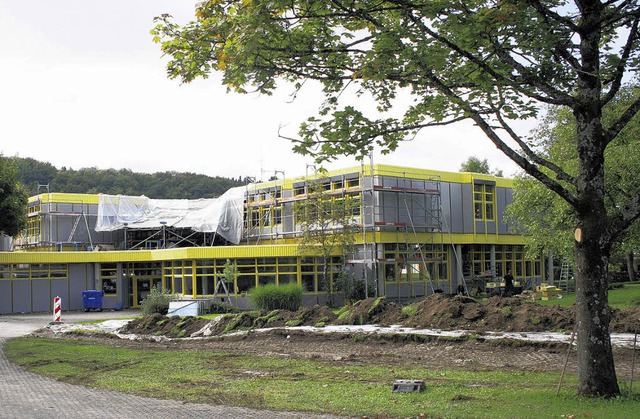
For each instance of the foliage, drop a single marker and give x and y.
(161, 185)
(277, 297)
(312, 385)
(157, 301)
(352, 288)
(475, 165)
(433, 63)
(550, 221)
(230, 273)
(13, 199)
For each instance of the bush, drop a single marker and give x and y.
(156, 302)
(222, 307)
(352, 288)
(274, 297)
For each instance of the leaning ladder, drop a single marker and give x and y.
(223, 285)
(565, 273)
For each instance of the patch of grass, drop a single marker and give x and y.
(624, 297)
(310, 385)
(345, 314)
(410, 310)
(506, 311)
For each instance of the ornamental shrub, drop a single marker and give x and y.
(277, 297)
(156, 302)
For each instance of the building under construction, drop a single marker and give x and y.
(413, 232)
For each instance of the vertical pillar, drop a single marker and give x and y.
(549, 277)
(457, 265)
(492, 251)
(57, 308)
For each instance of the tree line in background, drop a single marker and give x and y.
(160, 185)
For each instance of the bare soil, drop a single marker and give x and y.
(470, 352)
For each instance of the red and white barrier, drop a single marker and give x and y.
(56, 309)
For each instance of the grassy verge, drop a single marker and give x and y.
(623, 297)
(267, 382)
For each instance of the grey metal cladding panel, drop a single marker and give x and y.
(287, 219)
(22, 296)
(456, 203)
(41, 295)
(388, 207)
(480, 227)
(467, 208)
(501, 201)
(60, 288)
(63, 228)
(419, 209)
(62, 207)
(445, 202)
(76, 286)
(491, 228)
(80, 279)
(389, 182)
(5, 297)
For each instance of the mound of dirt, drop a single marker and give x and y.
(496, 314)
(626, 321)
(157, 324)
(371, 311)
(434, 312)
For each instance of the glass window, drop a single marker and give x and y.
(266, 279)
(308, 282)
(483, 202)
(287, 278)
(245, 283)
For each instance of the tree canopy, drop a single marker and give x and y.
(431, 63)
(13, 199)
(548, 220)
(475, 165)
(160, 185)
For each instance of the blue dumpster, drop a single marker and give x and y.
(92, 300)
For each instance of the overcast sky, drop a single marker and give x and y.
(83, 85)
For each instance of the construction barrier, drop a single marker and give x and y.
(56, 309)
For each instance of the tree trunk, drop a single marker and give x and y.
(596, 371)
(631, 268)
(597, 375)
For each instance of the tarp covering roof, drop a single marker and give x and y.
(223, 215)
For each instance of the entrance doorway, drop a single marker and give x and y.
(141, 288)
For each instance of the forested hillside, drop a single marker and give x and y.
(161, 185)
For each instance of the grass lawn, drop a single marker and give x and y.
(624, 297)
(269, 382)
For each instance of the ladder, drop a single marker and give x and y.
(565, 276)
(75, 227)
(223, 285)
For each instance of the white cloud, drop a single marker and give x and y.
(82, 85)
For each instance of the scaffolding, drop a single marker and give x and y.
(411, 207)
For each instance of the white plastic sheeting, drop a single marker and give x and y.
(223, 215)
